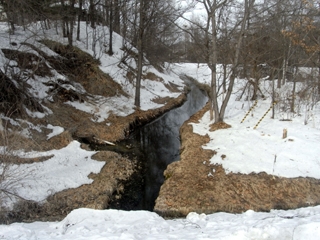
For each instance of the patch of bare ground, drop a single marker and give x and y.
(19, 160)
(190, 188)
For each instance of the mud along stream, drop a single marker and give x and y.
(154, 145)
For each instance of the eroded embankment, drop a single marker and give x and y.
(189, 188)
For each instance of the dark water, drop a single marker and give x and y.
(156, 145)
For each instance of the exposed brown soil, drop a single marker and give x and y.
(188, 188)
(18, 160)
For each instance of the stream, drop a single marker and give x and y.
(155, 145)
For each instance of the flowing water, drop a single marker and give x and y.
(156, 145)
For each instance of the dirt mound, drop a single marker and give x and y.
(219, 125)
(194, 185)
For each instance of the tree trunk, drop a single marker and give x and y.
(214, 108)
(294, 90)
(92, 14)
(279, 80)
(286, 63)
(256, 81)
(284, 70)
(140, 53)
(273, 91)
(79, 19)
(124, 24)
(224, 83)
(110, 51)
(117, 27)
(71, 23)
(248, 5)
(319, 76)
(64, 22)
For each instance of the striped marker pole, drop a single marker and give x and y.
(249, 111)
(265, 114)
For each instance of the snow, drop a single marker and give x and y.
(246, 149)
(261, 149)
(89, 224)
(56, 130)
(66, 168)
(111, 65)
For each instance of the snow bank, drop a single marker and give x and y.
(88, 224)
(68, 167)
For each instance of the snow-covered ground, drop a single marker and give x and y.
(246, 149)
(263, 149)
(68, 167)
(88, 224)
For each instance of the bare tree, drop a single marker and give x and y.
(154, 18)
(79, 18)
(213, 10)
(142, 19)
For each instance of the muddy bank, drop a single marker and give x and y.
(189, 188)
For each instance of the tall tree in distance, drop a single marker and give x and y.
(305, 35)
(71, 22)
(212, 28)
(79, 18)
(248, 5)
(111, 23)
(140, 42)
(154, 22)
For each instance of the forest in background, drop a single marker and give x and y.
(250, 39)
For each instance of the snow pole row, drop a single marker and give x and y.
(249, 111)
(265, 114)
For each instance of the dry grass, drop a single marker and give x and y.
(162, 100)
(152, 77)
(219, 125)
